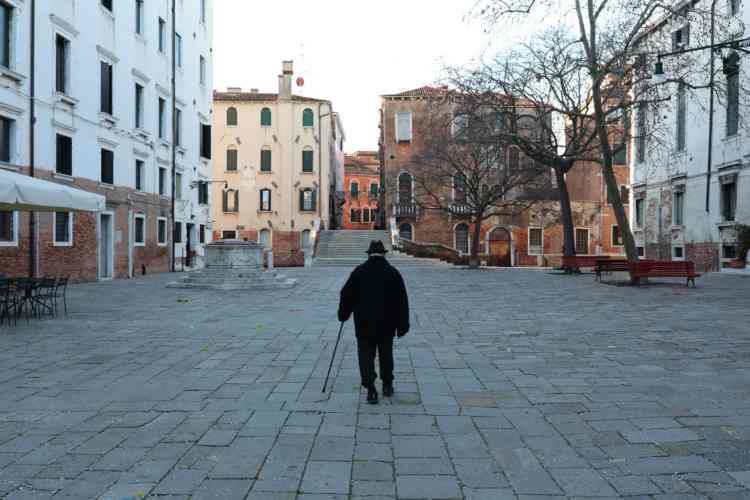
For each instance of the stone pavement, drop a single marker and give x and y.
(513, 384)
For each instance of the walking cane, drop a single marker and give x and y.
(334, 356)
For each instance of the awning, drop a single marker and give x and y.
(21, 192)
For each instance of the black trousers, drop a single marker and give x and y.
(366, 349)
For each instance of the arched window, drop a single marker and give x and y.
(265, 159)
(366, 215)
(405, 232)
(264, 238)
(305, 239)
(354, 189)
(462, 238)
(231, 159)
(265, 200)
(265, 117)
(374, 190)
(307, 202)
(308, 118)
(232, 117)
(404, 188)
(513, 158)
(231, 201)
(307, 160)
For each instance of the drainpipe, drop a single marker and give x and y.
(174, 128)
(320, 159)
(711, 109)
(32, 136)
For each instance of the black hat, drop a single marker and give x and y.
(376, 246)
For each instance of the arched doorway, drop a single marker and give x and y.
(499, 242)
(405, 232)
(462, 238)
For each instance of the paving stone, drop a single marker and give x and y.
(372, 471)
(120, 491)
(419, 447)
(180, 482)
(222, 490)
(327, 477)
(479, 474)
(423, 466)
(661, 436)
(432, 487)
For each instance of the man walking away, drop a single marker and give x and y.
(376, 294)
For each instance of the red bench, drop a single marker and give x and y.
(610, 266)
(579, 261)
(663, 269)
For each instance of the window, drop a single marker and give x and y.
(403, 126)
(205, 141)
(620, 155)
(366, 215)
(728, 252)
(202, 193)
(107, 173)
(139, 16)
(106, 88)
(305, 239)
(405, 232)
(354, 189)
(231, 160)
(265, 117)
(641, 251)
(201, 233)
(161, 231)
(178, 127)
(462, 238)
(232, 117)
(616, 236)
(6, 33)
(681, 117)
(231, 201)
(63, 229)
(6, 138)
(162, 35)
(308, 118)
(639, 212)
(229, 235)
(678, 208)
(140, 174)
(8, 229)
(625, 195)
(162, 115)
(162, 181)
(307, 161)
(641, 133)
(459, 188)
(728, 200)
(139, 231)
(202, 70)
(265, 160)
(138, 106)
(307, 200)
(582, 241)
(681, 38)
(732, 72)
(178, 49)
(460, 126)
(404, 188)
(177, 237)
(178, 186)
(373, 190)
(536, 241)
(354, 216)
(678, 253)
(62, 46)
(264, 238)
(734, 7)
(107, 4)
(513, 159)
(265, 200)
(203, 11)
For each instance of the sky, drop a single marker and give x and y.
(348, 51)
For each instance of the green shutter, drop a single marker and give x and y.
(314, 200)
(308, 118)
(307, 161)
(265, 117)
(265, 160)
(301, 201)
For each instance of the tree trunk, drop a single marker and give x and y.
(474, 258)
(569, 246)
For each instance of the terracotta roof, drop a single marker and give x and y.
(361, 168)
(426, 91)
(259, 96)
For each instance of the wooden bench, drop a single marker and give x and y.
(663, 269)
(610, 266)
(579, 261)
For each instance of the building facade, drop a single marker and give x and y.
(689, 197)
(277, 157)
(361, 190)
(103, 111)
(533, 238)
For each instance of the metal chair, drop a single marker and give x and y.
(8, 302)
(61, 292)
(43, 296)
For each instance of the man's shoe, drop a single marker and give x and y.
(387, 390)
(372, 395)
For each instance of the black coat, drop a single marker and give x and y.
(376, 294)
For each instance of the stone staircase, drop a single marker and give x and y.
(347, 248)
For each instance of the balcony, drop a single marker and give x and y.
(460, 209)
(405, 210)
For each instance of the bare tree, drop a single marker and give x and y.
(465, 170)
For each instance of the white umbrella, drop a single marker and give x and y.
(21, 192)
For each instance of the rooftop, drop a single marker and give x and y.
(259, 97)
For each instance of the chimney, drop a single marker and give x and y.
(234, 89)
(285, 80)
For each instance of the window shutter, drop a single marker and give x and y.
(301, 200)
(224, 201)
(314, 195)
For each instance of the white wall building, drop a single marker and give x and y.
(103, 123)
(687, 204)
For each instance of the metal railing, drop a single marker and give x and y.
(405, 210)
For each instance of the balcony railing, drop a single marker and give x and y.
(460, 209)
(405, 210)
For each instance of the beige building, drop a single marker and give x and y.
(276, 154)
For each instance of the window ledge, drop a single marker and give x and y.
(67, 99)
(142, 133)
(142, 193)
(727, 224)
(266, 172)
(161, 244)
(235, 171)
(139, 245)
(165, 143)
(308, 173)
(12, 75)
(731, 138)
(677, 227)
(181, 150)
(63, 177)
(107, 186)
(9, 166)
(164, 197)
(265, 211)
(141, 38)
(108, 118)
